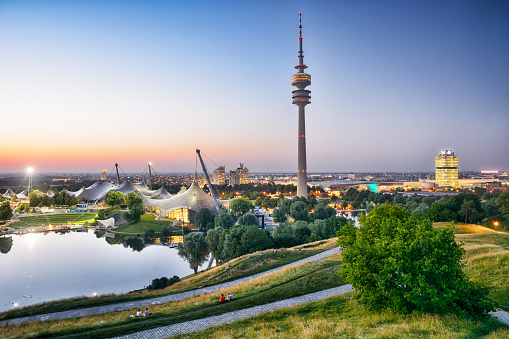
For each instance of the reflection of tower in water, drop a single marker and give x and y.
(301, 97)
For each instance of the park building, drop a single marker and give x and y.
(446, 169)
(240, 176)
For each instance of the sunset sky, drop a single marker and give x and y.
(85, 84)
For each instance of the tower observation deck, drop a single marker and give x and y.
(301, 97)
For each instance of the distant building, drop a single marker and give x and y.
(446, 169)
(218, 176)
(239, 176)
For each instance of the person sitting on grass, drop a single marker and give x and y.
(222, 299)
(147, 313)
(138, 314)
(230, 297)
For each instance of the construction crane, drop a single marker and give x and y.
(208, 179)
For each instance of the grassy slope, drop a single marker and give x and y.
(304, 279)
(147, 221)
(241, 267)
(55, 219)
(342, 317)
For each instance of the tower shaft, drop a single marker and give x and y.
(301, 97)
(302, 173)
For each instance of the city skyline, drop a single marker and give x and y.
(87, 84)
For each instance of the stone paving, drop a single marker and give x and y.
(160, 300)
(227, 318)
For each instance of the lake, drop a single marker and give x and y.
(42, 267)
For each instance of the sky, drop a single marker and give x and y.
(87, 84)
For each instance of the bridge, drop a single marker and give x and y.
(371, 185)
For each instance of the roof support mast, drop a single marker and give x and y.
(208, 179)
(118, 176)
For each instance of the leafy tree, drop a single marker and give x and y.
(231, 244)
(194, 250)
(248, 220)
(5, 211)
(255, 239)
(134, 215)
(491, 209)
(299, 210)
(213, 239)
(281, 229)
(323, 212)
(503, 202)
(240, 206)
(132, 199)
(223, 219)
(285, 205)
(165, 231)
(278, 215)
(468, 210)
(285, 241)
(404, 264)
(160, 283)
(203, 217)
(302, 231)
(113, 198)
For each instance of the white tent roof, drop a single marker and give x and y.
(194, 199)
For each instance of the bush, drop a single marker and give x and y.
(398, 262)
(160, 283)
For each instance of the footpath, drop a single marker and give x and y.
(227, 318)
(160, 300)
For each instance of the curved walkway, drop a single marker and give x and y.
(227, 318)
(160, 300)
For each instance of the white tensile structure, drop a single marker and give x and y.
(181, 206)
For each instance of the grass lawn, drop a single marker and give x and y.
(241, 267)
(147, 221)
(55, 219)
(462, 228)
(487, 261)
(290, 282)
(342, 317)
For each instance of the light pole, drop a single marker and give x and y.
(495, 224)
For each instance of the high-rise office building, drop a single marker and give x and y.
(103, 174)
(218, 176)
(446, 169)
(301, 97)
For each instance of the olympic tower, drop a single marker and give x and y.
(301, 97)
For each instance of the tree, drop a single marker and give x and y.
(299, 210)
(323, 212)
(302, 231)
(398, 262)
(255, 239)
(113, 198)
(213, 237)
(132, 199)
(223, 219)
(490, 209)
(278, 215)
(248, 220)
(149, 233)
(5, 211)
(5, 244)
(194, 250)
(135, 213)
(503, 202)
(281, 229)
(285, 205)
(468, 210)
(240, 206)
(203, 217)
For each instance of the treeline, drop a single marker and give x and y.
(468, 207)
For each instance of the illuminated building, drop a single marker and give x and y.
(218, 176)
(239, 176)
(301, 97)
(103, 174)
(446, 169)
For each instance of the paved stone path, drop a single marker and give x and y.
(502, 316)
(160, 300)
(227, 318)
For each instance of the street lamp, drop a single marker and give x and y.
(495, 224)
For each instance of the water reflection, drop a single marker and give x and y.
(49, 266)
(5, 244)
